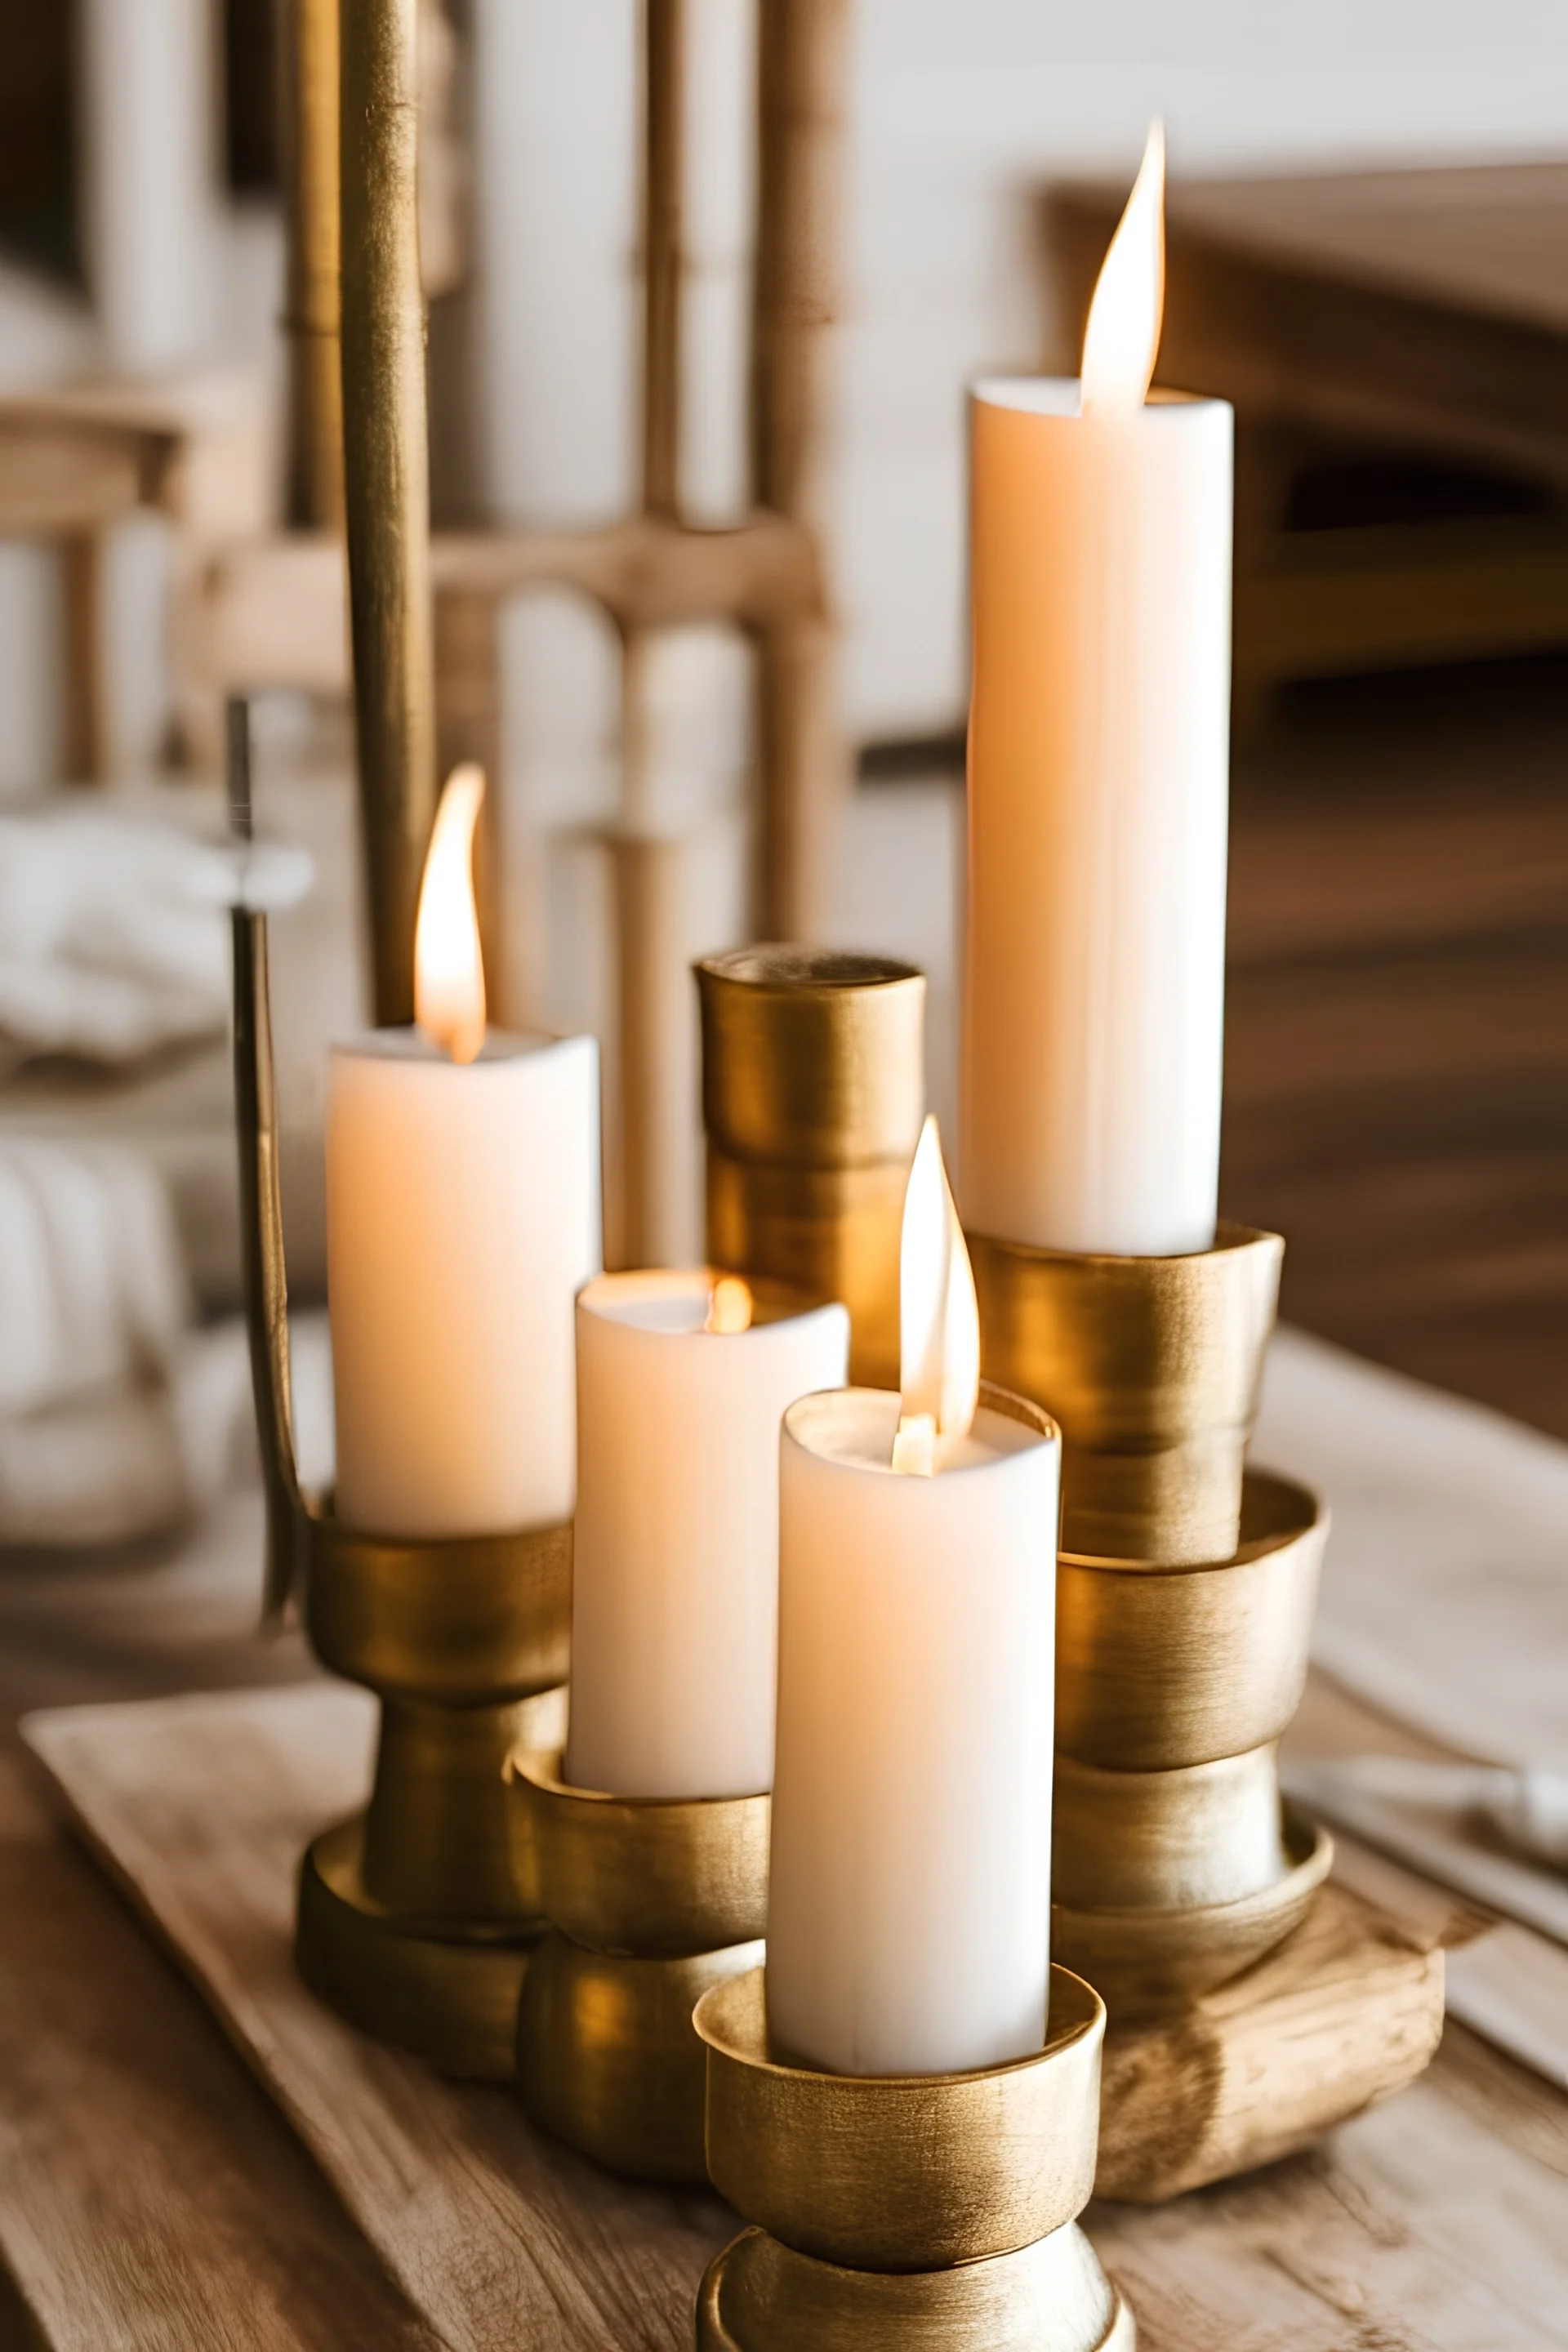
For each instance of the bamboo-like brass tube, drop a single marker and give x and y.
(310, 85)
(665, 71)
(387, 476)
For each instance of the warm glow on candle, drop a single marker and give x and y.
(448, 969)
(729, 1305)
(1123, 336)
(940, 1322)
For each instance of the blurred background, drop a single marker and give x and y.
(1368, 255)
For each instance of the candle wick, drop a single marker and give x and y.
(915, 1446)
(729, 1305)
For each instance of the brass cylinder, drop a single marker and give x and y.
(651, 1901)
(386, 491)
(929, 2211)
(309, 31)
(442, 1838)
(1151, 1365)
(1166, 1841)
(813, 1095)
(1158, 1668)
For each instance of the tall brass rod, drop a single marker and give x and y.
(261, 1210)
(802, 63)
(664, 142)
(309, 83)
(386, 472)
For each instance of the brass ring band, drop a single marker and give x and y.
(463, 1620)
(1151, 1365)
(1161, 1667)
(1145, 1962)
(761, 2296)
(1203, 1834)
(643, 1876)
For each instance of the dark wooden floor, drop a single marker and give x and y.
(1398, 1051)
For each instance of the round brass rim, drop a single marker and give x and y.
(649, 1878)
(1152, 1366)
(902, 2172)
(1158, 1667)
(759, 2295)
(811, 1057)
(465, 1621)
(608, 2061)
(449, 1998)
(1146, 1962)
(1202, 1835)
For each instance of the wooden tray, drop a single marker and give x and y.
(200, 1807)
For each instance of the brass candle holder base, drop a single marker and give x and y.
(813, 1095)
(1174, 1866)
(929, 2213)
(1152, 1366)
(417, 1919)
(651, 1902)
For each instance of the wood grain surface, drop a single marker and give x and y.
(1435, 2223)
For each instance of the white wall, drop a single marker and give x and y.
(964, 108)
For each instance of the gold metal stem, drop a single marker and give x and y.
(387, 476)
(665, 68)
(802, 82)
(309, 30)
(262, 1263)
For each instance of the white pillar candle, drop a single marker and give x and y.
(462, 1218)
(909, 1928)
(674, 1584)
(1097, 783)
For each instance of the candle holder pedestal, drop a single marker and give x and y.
(417, 1917)
(925, 2213)
(651, 1902)
(812, 1096)
(1185, 1597)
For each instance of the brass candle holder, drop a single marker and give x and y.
(1185, 1594)
(812, 1096)
(416, 1918)
(651, 1902)
(918, 2214)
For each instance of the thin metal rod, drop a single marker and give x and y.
(803, 64)
(663, 158)
(386, 478)
(309, 84)
(261, 1210)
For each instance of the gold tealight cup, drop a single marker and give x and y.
(906, 2213)
(651, 1903)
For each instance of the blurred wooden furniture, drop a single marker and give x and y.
(1408, 331)
(75, 463)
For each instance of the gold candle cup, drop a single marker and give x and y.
(1151, 1365)
(651, 1902)
(812, 1096)
(907, 2210)
(1161, 1667)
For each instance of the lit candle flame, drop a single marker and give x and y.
(1123, 336)
(448, 969)
(729, 1305)
(940, 1322)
